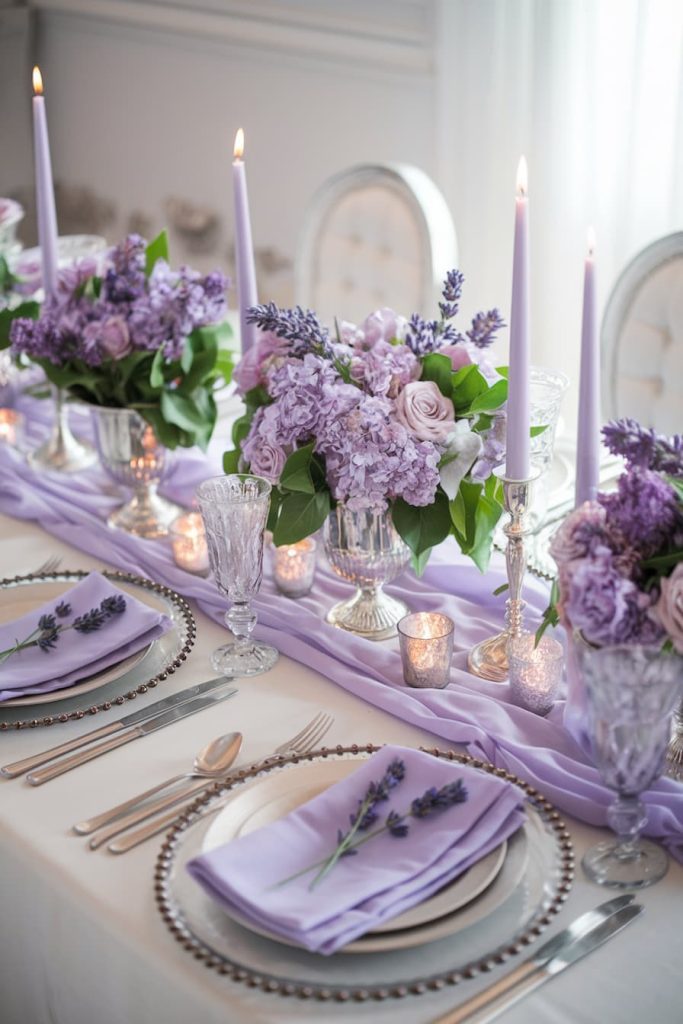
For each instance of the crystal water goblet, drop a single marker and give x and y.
(631, 691)
(235, 509)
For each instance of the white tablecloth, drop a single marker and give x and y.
(81, 941)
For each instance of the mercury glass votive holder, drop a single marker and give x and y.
(535, 672)
(426, 642)
(11, 427)
(188, 542)
(294, 567)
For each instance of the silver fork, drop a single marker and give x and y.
(50, 565)
(304, 741)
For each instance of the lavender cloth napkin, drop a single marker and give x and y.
(76, 655)
(469, 711)
(387, 875)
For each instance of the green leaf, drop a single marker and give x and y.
(274, 508)
(503, 371)
(156, 250)
(676, 483)
(491, 399)
(422, 527)
(300, 515)
(419, 562)
(156, 374)
(468, 383)
(240, 428)
(438, 368)
(535, 431)
(296, 472)
(486, 518)
(183, 412)
(501, 589)
(231, 461)
(224, 365)
(662, 561)
(484, 422)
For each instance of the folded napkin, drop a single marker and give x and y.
(75, 654)
(386, 876)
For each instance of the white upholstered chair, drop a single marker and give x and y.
(642, 339)
(375, 235)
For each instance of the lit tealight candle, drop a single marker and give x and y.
(426, 641)
(535, 672)
(294, 567)
(188, 539)
(11, 423)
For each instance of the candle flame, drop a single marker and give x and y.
(522, 177)
(37, 81)
(591, 241)
(239, 144)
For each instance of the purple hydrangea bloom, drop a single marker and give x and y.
(384, 369)
(644, 510)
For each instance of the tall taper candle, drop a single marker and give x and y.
(588, 431)
(518, 415)
(244, 250)
(45, 195)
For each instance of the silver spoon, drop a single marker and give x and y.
(211, 762)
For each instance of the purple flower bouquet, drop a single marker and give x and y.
(140, 336)
(393, 415)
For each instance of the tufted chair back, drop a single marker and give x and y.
(642, 339)
(375, 236)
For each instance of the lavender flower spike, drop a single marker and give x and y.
(452, 291)
(644, 448)
(482, 333)
(301, 328)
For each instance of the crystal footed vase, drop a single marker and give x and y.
(365, 548)
(132, 455)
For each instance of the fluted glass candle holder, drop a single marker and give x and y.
(535, 672)
(188, 542)
(426, 642)
(294, 567)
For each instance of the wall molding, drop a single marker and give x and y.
(397, 39)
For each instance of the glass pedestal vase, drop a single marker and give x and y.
(62, 452)
(365, 548)
(131, 453)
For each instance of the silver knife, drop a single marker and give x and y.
(158, 722)
(10, 771)
(585, 934)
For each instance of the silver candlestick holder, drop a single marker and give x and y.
(489, 659)
(62, 452)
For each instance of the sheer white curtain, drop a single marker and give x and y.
(592, 92)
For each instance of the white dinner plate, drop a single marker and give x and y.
(270, 798)
(17, 602)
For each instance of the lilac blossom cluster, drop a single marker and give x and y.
(380, 429)
(611, 554)
(642, 447)
(128, 312)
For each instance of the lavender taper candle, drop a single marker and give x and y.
(518, 415)
(244, 250)
(588, 432)
(45, 196)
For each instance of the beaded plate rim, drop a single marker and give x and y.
(188, 637)
(276, 985)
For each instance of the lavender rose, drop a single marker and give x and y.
(669, 608)
(383, 325)
(425, 412)
(458, 355)
(114, 337)
(267, 460)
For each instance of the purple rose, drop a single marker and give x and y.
(425, 412)
(458, 355)
(267, 460)
(383, 325)
(115, 338)
(669, 608)
(249, 373)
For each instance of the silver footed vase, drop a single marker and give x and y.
(61, 452)
(132, 455)
(365, 548)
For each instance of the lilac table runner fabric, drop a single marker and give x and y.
(75, 654)
(469, 711)
(387, 875)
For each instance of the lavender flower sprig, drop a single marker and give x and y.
(432, 801)
(300, 327)
(48, 631)
(643, 447)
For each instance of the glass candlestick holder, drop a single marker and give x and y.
(535, 672)
(426, 642)
(294, 567)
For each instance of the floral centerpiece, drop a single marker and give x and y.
(137, 336)
(396, 415)
(620, 558)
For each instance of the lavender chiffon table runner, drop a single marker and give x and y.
(469, 711)
(388, 873)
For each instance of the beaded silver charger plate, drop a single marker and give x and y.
(213, 937)
(120, 683)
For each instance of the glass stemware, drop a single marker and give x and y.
(235, 509)
(631, 691)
